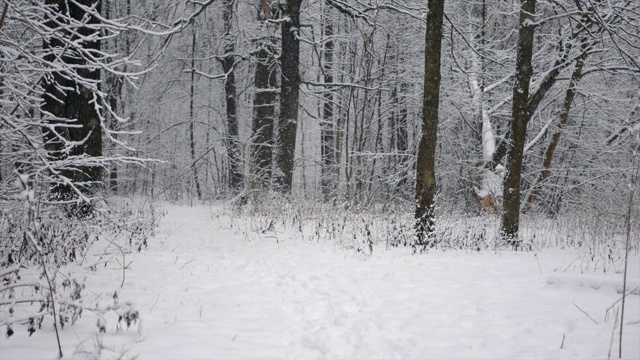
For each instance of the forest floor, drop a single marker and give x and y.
(204, 291)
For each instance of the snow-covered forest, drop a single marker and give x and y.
(319, 179)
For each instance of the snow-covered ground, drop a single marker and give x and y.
(203, 291)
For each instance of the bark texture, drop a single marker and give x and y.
(289, 94)
(327, 126)
(264, 112)
(192, 141)
(70, 107)
(234, 153)
(520, 115)
(426, 176)
(264, 107)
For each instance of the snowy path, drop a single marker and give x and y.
(206, 293)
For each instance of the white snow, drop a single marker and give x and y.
(205, 292)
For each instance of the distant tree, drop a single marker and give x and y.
(328, 175)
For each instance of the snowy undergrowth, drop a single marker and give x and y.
(46, 258)
(600, 240)
(211, 285)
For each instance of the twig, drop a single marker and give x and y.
(187, 263)
(48, 312)
(634, 178)
(154, 304)
(31, 233)
(10, 270)
(21, 301)
(617, 301)
(124, 268)
(562, 344)
(51, 291)
(540, 267)
(578, 307)
(574, 260)
(613, 331)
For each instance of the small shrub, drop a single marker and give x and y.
(39, 241)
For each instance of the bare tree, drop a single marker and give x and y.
(192, 94)
(228, 62)
(521, 113)
(70, 106)
(327, 125)
(426, 172)
(289, 94)
(264, 105)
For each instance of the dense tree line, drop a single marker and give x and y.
(329, 100)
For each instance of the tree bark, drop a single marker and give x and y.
(70, 105)
(228, 63)
(264, 112)
(521, 113)
(426, 161)
(192, 141)
(289, 93)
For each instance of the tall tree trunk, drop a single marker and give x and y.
(70, 105)
(114, 87)
(327, 128)
(289, 93)
(426, 162)
(378, 143)
(228, 64)
(402, 139)
(192, 141)
(264, 111)
(521, 113)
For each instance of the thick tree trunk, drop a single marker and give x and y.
(70, 105)
(426, 162)
(289, 93)
(521, 113)
(228, 62)
(264, 112)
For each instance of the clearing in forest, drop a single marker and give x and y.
(206, 291)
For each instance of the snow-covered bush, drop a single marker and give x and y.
(39, 248)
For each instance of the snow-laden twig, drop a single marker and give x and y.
(584, 312)
(632, 190)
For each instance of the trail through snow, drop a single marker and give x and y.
(205, 292)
